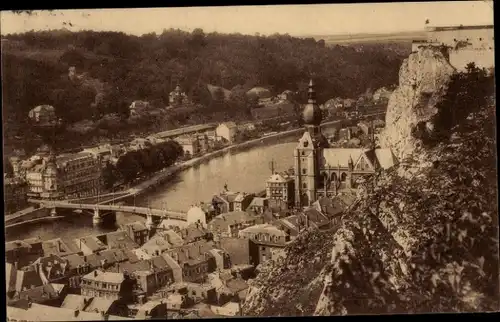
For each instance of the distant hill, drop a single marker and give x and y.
(407, 36)
(122, 68)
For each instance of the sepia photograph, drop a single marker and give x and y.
(250, 161)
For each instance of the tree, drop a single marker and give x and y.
(109, 175)
(128, 165)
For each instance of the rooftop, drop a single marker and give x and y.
(107, 277)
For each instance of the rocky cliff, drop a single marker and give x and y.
(421, 237)
(423, 80)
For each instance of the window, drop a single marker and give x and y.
(306, 144)
(304, 171)
(303, 153)
(304, 185)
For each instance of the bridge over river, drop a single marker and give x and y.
(100, 209)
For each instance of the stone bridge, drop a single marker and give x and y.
(99, 209)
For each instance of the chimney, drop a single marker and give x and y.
(85, 259)
(77, 312)
(151, 266)
(95, 273)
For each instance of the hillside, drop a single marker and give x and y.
(422, 236)
(128, 68)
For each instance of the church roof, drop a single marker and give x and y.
(340, 157)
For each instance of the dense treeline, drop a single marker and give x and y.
(122, 68)
(145, 161)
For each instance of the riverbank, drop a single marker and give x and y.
(163, 176)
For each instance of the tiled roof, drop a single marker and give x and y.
(222, 221)
(330, 207)
(385, 158)
(108, 277)
(99, 305)
(59, 247)
(75, 302)
(91, 242)
(192, 232)
(192, 253)
(187, 129)
(230, 125)
(136, 226)
(279, 178)
(258, 202)
(38, 312)
(27, 279)
(316, 217)
(75, 260)
(17, 244)
(118, 240)
(264, 228)
(40, 293)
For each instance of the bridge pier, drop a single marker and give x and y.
(97, 219)
(53, 212)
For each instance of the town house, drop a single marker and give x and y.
(117, 240)
(224, 202)
(161, 242)
(137, 231)
(280, 191)
(89, 244)
(264, 240)
(109, 285)
(22, 252)
(258, 205)
(242, 201)
(227, 131)
(195, 260)
(229, 224)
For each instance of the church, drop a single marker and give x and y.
(323, 171)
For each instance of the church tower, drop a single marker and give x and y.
(308, 153)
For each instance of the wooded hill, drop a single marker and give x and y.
(121, 68)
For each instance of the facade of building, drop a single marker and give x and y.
(265, 239)
(280, 191)
(190, 144)
(109, 285)
(321, 170)
(137, 231)
(242, 201)
(227, 131)
(73, 175)
(177, 97)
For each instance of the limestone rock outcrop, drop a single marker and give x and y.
(422, 236)
(423, 80)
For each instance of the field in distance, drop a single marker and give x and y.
(372, 38)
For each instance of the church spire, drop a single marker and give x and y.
(312, 113)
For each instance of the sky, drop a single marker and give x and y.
(296, 20)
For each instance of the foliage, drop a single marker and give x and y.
(122, 68)
(422, 237)
(467, 93)
(145, 161)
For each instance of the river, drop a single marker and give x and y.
(241, 171)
